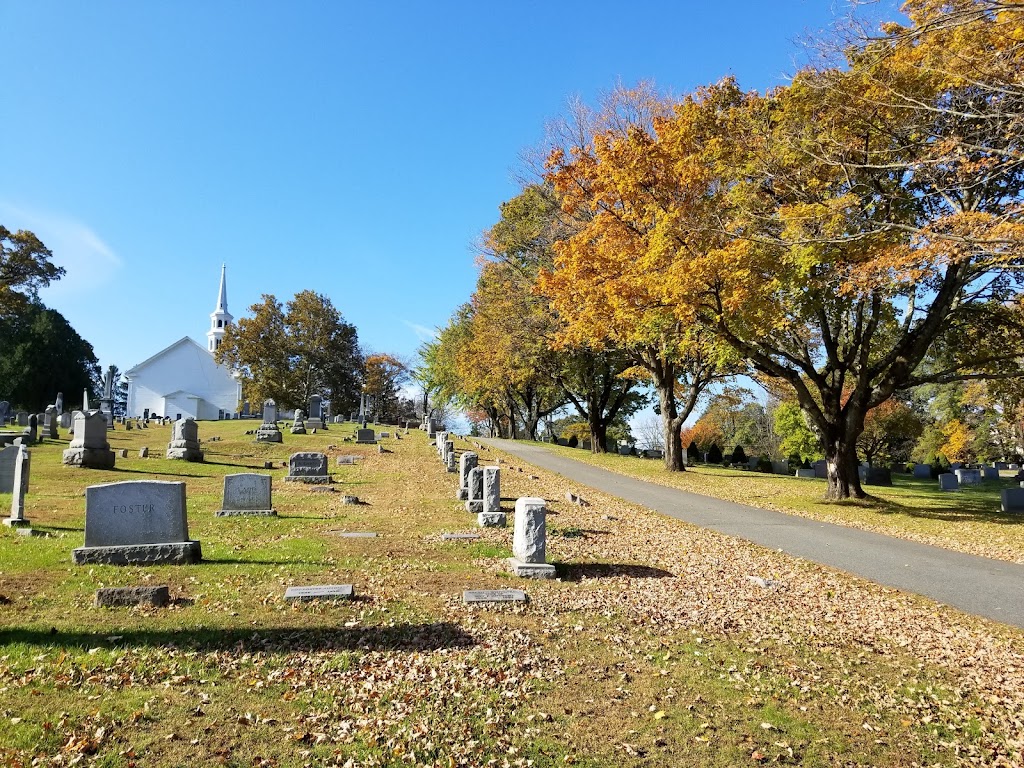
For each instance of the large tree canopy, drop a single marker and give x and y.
(291, 352)
(24, 268)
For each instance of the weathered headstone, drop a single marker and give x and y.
(449, 457)
(475, 501)
(122, 597)
(22, 418)
(460, 536)
(138, 522)
(968, 476)
(366, 436)
(246, 493)
(529, 540)
(948, 482)
(268, 431)
(308, 467)
(89, 447)
(10, 456)
(30, 434)
(319, 592)
(1012, 500)
(923, 471)
(467, 461)
(65, 420)
(298, 425)
(184, 441)
(490, 515)
(807, 474)
(19, 484)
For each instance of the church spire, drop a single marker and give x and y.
(220, 318)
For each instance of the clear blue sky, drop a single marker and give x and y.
(356, 149)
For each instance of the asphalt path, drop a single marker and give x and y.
(979, 585)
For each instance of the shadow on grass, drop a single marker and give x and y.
(401, 637)
(967, 505)
(242, 561)
(580, 571)
(152, 472)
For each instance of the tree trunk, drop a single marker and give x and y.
(670, 427)
(841, 465)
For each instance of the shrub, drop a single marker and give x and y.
(714, 454)
(739, 456)
(574, 441)
(693, 453)
(764, 464)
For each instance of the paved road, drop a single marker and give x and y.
(978, 585)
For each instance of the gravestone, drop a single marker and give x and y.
(923, 471)
(298, 426)
(122, 597)
(948, 482)
(467, 461)
(968, 476)
(5, 412)
(138, 522)
(347, 459)
(320, 592)
(65, 421)
(19, 484)
(144, 452)
(316, 413)
(30, 434)
(820, 468)
(246, 493)
(366, 436)
(449, 457)
(990, 473)
(10, 456)
(494, 596)
(268, 431)
(308, 467)
(440, 440)
(22, 419)
(1012, 501)
(529, 540)
(490, 515)
(89, 447)
(780, 467)
(475, 500)
(877, 476)
(184, 441)
(807, 474)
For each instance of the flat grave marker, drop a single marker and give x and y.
(319, 592)
(471, 596)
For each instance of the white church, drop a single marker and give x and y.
(183, 380)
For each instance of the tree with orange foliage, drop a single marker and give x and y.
(382, 376)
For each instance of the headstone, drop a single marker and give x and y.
(144, 452)
(246, 493)
(1012, 501)
(366, 436)
(877, 476)
(122, 453)
(321, 592)
(356, 534)
(65, 421)
(268, 431)
(625, 450)
(245, 407)
(89, 447)
(298, 426)
(138, 522)
(316, 413)
(449, 457)
(10, 456)
(490, 515)
(923, 471)
(780, 467)
(529, 540)
(467, 461)
(184, 441)
(968, 476)
(820, 468)
(807, 474)
(308, 467)
(948, 482)
(19, 484)
(5, 412)
(31, 432)
(347, 459)
(494, 596)
(475, 501)
(22, 418)
(122, 597)
(990, 473)
(129, 426)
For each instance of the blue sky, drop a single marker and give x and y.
(356, 149)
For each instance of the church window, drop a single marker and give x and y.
(220, 323)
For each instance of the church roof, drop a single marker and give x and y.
(162, 352)
(182, 392)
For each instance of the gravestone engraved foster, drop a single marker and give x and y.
(246, 493)
(308, 467)
(138, 522)
(529, 540)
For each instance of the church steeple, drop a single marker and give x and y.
(220, 318)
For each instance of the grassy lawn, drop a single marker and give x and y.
(653, 648)
(968, 520)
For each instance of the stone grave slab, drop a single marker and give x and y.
(1012, 501)
(355, 534)
(529, 540)
(247, 493)
(137, 522)
(923, 471)
(366, 436)
(308, 467)
(948, 482)
(120, 597)
(319, 592)
(460, 536)
(806, 474)
(471, 596)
